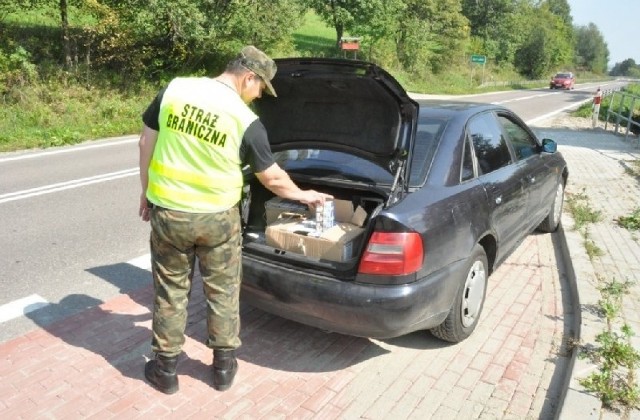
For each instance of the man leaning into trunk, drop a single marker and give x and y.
(198, 133)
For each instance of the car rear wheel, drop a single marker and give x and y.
(467, 306)
(552, 221)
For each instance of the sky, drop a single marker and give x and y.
(618, 22)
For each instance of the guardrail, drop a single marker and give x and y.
(624, 114)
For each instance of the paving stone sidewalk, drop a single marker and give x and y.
(602, 166)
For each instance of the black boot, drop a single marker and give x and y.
(225, 367)
(161, 373)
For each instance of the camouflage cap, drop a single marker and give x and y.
(259, 63)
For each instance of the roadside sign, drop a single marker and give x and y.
(480, 59)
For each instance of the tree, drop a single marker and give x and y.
(592, 52)
(432, 34)
(547, 44)
(561, 9)
(156, 36)
(624, 68)
(533, 58)
(497, 25)
(378, 20)
(339, 14)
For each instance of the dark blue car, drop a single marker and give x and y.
(449, 190)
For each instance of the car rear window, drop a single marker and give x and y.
(331, 164)
(341, 166)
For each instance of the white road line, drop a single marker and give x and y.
(21, 307)
(68, 150)
(551, 114)
(525, 98)
(143, 262)
(61, 186)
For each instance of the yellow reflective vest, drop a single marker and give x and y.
(196, 165)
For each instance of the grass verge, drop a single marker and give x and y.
(54, 114)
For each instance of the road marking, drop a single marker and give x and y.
(68, 150)
(143, 262)
(67, 185)
(525, 98)
(21, 307)
(551, 114)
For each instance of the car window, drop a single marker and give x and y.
(332, 164)
(467, 163)
(523, 143)
(489, 143)
(427, 135)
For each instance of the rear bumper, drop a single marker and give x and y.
(345, 307)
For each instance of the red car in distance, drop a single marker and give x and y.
(565, 80)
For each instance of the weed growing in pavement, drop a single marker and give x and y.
(583, 214)
(592, 249)
(631, 222)
(614, 381)
(581, 210)
(633, 168)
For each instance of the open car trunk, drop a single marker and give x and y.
(356, 123)
(265, 224)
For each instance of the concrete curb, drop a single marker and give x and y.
(576, 403)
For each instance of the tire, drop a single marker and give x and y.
(467, 306)
(552, 221)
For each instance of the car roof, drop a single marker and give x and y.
(455, 109)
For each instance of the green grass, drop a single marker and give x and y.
(48, 15)
(314, 38)
(581, 210)
(53, 115)
(586, 109)
(630, 222)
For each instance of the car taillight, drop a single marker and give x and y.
(390, 253)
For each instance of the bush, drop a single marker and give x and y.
(16, 69)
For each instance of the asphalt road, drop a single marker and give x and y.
(69, 228)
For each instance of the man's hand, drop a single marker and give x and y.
(279, 183)
(147, 144)
(313, 198)
(145, 210)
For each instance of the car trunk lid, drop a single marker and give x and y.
(345, 105)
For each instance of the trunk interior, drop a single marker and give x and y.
(254, 216)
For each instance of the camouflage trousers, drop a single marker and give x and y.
(177, 238)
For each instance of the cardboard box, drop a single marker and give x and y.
(335, 244)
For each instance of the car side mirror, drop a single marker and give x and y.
(549, 146)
